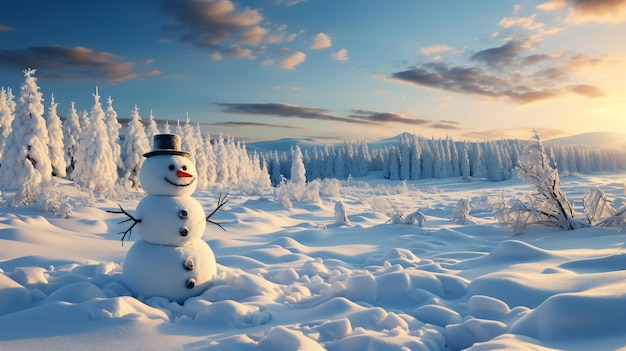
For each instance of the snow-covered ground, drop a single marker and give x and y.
(294, 279)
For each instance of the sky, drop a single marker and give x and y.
(331, 70)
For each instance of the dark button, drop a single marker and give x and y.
(183, 214)
(191, 283)
(184, 231)
(188, 265)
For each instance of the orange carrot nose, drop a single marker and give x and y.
(183, 174)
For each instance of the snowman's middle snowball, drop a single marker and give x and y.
(170, 220)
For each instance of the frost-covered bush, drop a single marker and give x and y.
(52, 200)
(397, 217)
(26, 194)
(287, 192)
(416, 218)
(379, 204)
(599, 211)
(547, 205)
(330, 187)
(341, 218)
(597, 205)
(460, 212)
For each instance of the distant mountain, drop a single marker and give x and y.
(609, 139)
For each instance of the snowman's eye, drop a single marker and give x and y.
(171, 167)
(184, 168)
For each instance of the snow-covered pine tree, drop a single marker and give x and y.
(427, 160)
(211, 173)
(464, 163)
(71, 138)
(113, 132)
(152, 129)
(298, 172)
(202, 162)
(135, 145)
(95, 168)
(222, 159)
(25, 155)
(83, 120)
(394, 163)
(405, 157)
(415, 156)
(262, 178)
(55, 140)
(232, 151)
(166, 128)
(7, 108)
(493, 162)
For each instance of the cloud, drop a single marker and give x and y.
(529, 23)
(442, 125)
(586, 11)
(253, 124)
(288, 2)
(504, 55)
(510, 72)
(434, 49)
(253, 36)
(212, 23)
(4, 28)
(385, 117)
(320, 41)
(280, 36)
(67, 63)
(286, 111)
(238, 52)
(515, 133)
(341, 55)
(290, 62)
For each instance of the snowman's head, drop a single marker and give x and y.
(168, 175)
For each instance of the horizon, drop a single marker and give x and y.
(368, 71)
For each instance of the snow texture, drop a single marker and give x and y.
(288, 279)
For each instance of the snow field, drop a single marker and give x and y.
(294, 278)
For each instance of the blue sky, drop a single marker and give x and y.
(330, 70)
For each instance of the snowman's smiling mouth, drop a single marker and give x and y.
(184, 184)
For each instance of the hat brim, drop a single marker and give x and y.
(167, 152)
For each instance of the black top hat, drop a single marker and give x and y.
(167, 144)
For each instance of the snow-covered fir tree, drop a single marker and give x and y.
(7, 108)
(71, 138)
(152, 129)
(25, 155)
(135, 145)
(95, 166)
(83, 119)
(202, 160)
(297, 166)
(55, 140)
(211, 172)
(222, 159)
(113, 132)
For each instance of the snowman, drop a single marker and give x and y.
(170, 259)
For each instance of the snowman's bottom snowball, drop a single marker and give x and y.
(174, 272)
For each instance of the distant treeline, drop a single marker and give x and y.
(416, 157)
